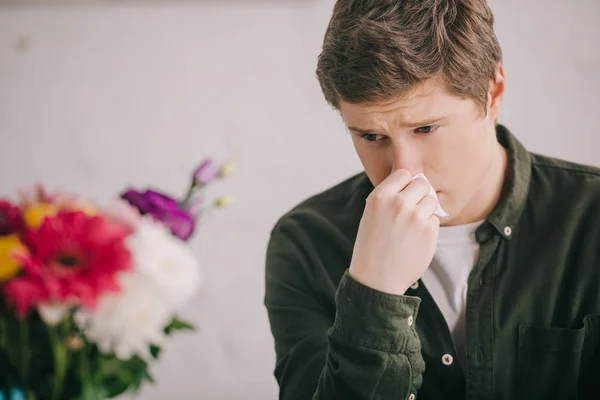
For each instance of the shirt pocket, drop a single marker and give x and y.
(549, 361)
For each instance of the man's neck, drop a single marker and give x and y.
(486, 199)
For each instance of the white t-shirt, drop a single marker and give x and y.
(446, 278)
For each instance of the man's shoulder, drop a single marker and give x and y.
(569, 183)
(565, 168)
(344, 198)
(566, 173)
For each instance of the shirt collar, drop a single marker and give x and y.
(515, 190)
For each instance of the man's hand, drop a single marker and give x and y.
(397, 235)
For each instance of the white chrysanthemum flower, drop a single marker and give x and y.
(127, 323)
(167, 260)
(165, 275)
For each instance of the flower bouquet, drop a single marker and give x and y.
(88, 295)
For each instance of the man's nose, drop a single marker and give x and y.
(403, 157)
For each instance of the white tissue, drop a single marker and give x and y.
(439, 211)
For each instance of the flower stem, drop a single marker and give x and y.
(86, 377)
(58, 336)
(194, 186)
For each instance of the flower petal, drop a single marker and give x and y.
(160, 200)
(52, 313)
(10, 250)
(10, 218)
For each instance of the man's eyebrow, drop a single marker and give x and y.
(415, 124)
(362, 131)
(425, 122)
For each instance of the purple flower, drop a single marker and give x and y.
(164, 209)
(206, 172)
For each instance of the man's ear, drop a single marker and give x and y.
(496, 94)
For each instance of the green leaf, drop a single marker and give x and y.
(119, 376)
(148, 377)
(110, 365)
(178, 325)
(93, 392)
(13, 343)
(155, 351)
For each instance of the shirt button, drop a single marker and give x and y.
(508, 231)
(411, 397)
(414, 285)
(410, 320)
(447, 359)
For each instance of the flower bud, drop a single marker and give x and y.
(226, 169)
(224, 201)
(206, 173)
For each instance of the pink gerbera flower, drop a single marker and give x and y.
(73, 258)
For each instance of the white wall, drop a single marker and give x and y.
(93, 98)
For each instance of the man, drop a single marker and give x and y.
(371, 294)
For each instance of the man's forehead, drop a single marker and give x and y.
(424, 101)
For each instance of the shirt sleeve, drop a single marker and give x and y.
(367, 348)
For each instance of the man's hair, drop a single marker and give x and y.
(375, 50)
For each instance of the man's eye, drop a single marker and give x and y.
(426, 129)
(372, 137)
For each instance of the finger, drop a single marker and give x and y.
(392, 185)
(427, 206)
(435, 221)
(414, 192)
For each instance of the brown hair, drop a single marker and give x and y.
(375, 50)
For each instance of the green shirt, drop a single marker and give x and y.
(533, 300)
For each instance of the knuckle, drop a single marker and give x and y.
(375, 200)
(404, 174)
(401, 205)
(419, 217)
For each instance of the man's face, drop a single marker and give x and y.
(448, 139)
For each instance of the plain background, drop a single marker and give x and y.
(95, 96)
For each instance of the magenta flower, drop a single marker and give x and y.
(10, 218)
(164, 209)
